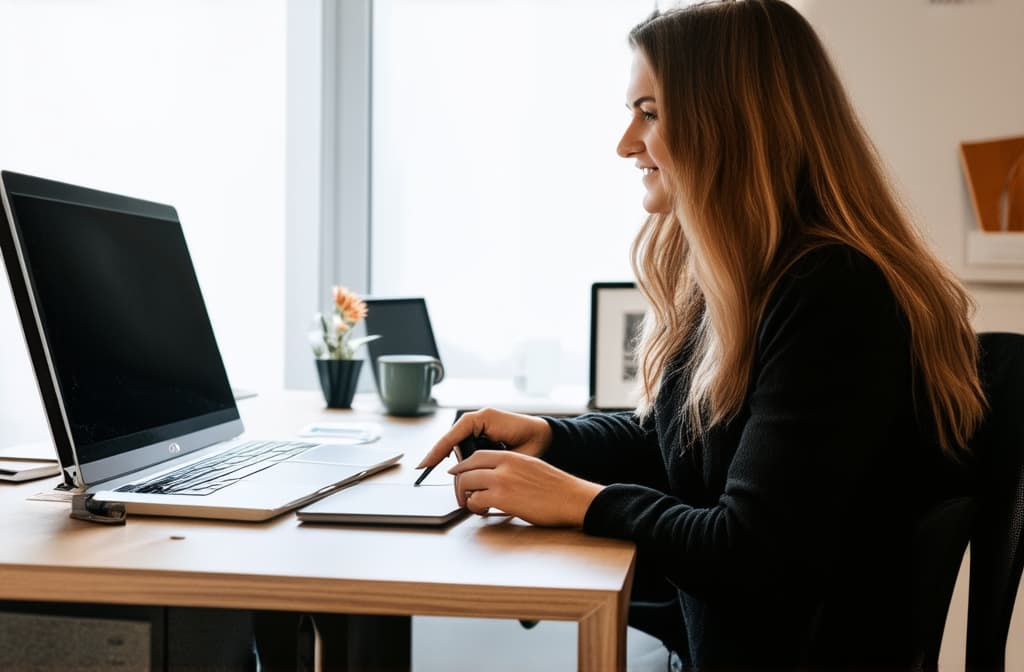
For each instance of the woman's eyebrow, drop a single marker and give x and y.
(639, 101)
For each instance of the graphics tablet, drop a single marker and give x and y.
(386, 504)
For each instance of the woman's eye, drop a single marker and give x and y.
(648, 116)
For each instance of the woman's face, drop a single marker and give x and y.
(643, 137)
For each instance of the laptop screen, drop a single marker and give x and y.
(130, 342)
(403, 325)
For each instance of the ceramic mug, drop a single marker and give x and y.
(405, 382)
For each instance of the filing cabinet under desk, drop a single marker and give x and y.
(67, 637)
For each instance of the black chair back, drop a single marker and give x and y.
(988, 512)
(939, 544)
(997, 540)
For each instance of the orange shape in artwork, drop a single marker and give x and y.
(995, 176)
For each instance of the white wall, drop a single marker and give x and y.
(178, 101)
(924, 77)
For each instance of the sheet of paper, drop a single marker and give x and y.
(52, 496)
(14, 466)
(342, 432)
(37, 450)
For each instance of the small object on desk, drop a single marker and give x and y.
(240, 393)
(405, 382)
(466, 447)
(54, 495)
(28, 461)
(17, 470)
(471, 444)
(84, 507)
(385, 504)
(537, 367)
(35, 450)
(341, 432)
(426, 472)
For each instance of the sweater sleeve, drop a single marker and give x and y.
(832, 372)
(607, 448)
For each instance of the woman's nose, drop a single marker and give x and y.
(630, 144)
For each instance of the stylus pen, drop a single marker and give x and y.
(426, 472)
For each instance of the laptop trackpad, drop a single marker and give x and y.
(361, 456)
(289, 482)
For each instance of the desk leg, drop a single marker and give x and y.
(602, 638)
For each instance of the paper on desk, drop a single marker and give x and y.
(52, 496)
(14, 465)
(351, 433)
(38, 450)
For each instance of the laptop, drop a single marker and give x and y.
(132, 381)
(403, 325)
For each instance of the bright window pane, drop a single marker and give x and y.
(497, 193)
(178, 101)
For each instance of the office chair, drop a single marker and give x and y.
(990, 516)
(997, 542)
(939, 544)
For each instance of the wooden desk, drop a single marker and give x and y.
(492, 567)
(473, 393)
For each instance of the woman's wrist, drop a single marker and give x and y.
(542, 439)
(584, 494)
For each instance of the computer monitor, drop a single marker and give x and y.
(403, 325)
(93, 274)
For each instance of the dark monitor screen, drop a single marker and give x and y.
(404, 328)
(128, 335)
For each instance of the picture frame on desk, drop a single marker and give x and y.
(617, 310)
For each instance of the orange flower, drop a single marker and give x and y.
(350, 307)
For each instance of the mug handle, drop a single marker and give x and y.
(438, 370)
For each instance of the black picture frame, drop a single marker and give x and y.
(616, 312)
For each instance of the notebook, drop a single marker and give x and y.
(134, 388)
(386, 504)
(27, 461)
(18, 469)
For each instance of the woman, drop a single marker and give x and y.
(808, 367)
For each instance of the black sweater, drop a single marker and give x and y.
(787, 531)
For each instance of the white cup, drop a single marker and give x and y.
(537, 366)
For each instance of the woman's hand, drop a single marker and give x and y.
(522, 433)
(523, 486)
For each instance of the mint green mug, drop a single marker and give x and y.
(405, 382)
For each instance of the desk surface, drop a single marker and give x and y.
(481, 567)
(471, 393)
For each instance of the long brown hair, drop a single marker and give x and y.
(769, 162)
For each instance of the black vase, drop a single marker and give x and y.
(338, 378)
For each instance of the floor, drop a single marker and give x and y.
(460, 644)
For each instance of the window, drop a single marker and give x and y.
(496, 190)
(178, 101)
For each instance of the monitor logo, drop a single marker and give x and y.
(174, 449)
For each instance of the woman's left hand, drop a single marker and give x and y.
(522, 486)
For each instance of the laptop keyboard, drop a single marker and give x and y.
(217, 472)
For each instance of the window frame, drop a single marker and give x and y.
(328, 154)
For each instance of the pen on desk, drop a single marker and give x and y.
(467, 447)
(426, 472)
